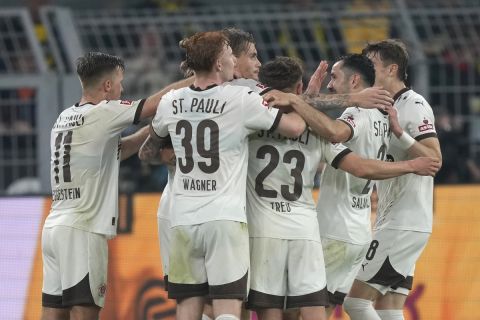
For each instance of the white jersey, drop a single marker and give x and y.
(406, 202)
(280, 181)
(165, 200)
(163, 212)
(344, 202)
(85, 149)
(209, 131)
(254, 85)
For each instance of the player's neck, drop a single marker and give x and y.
(203, 81)
(91, 98)
(395, 87)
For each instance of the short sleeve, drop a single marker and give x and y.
(258, 115)
(119, 114)
(333, 153)
(418, 119)
(159, 124)
(353, 119)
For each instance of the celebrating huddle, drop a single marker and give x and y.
(237, 221)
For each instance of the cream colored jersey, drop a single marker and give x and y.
(280, 181)
(165, 200)
(344, 201)
(406, 202)
(85, 156)
(209, 131)
(254, 86)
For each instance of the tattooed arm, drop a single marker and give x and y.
(374, 97)
(150, 150)
(320, 123)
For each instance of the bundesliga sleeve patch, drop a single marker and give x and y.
(426, 126)
(126, 102)
(261, 86)
(350, 120)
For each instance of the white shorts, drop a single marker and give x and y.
(164, 238)
(286, 273)
(389, 263)
(74, 267)
(342, 262)
(211, 258)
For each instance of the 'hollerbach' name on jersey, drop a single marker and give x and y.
(66, 194)
(199, 184)
(199, 105)
(69, 122)
(303, 138)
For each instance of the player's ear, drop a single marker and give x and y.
(218, 65)
(393, 69)
(107, 84)
(355, 80)
(299, 87)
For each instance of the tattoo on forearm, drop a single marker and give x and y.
(149, 150)
(325, 102)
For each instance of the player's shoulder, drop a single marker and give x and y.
(173, 93)
(251, 84)
(410, 98)
(233, 89)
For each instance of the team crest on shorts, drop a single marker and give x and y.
(102, 289)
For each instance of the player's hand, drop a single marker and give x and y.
(316, 80)
(394, 123)
(277, 98)
(425, 166)
(373, 97)
(167, 156)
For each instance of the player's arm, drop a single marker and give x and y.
(320, 123)
(291, 125)
(428, 147)
(379, 170)
(151, 103)
(369, 98)
(150, 149)
(131, 143)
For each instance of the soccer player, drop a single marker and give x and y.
(404, 215)
(287, 265)
(208, 125)
(344, 202)
(243, 47)
(86, 149)
(246, 68)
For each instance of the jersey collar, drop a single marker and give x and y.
(81, 105)
(399, 93)
(199, 89)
